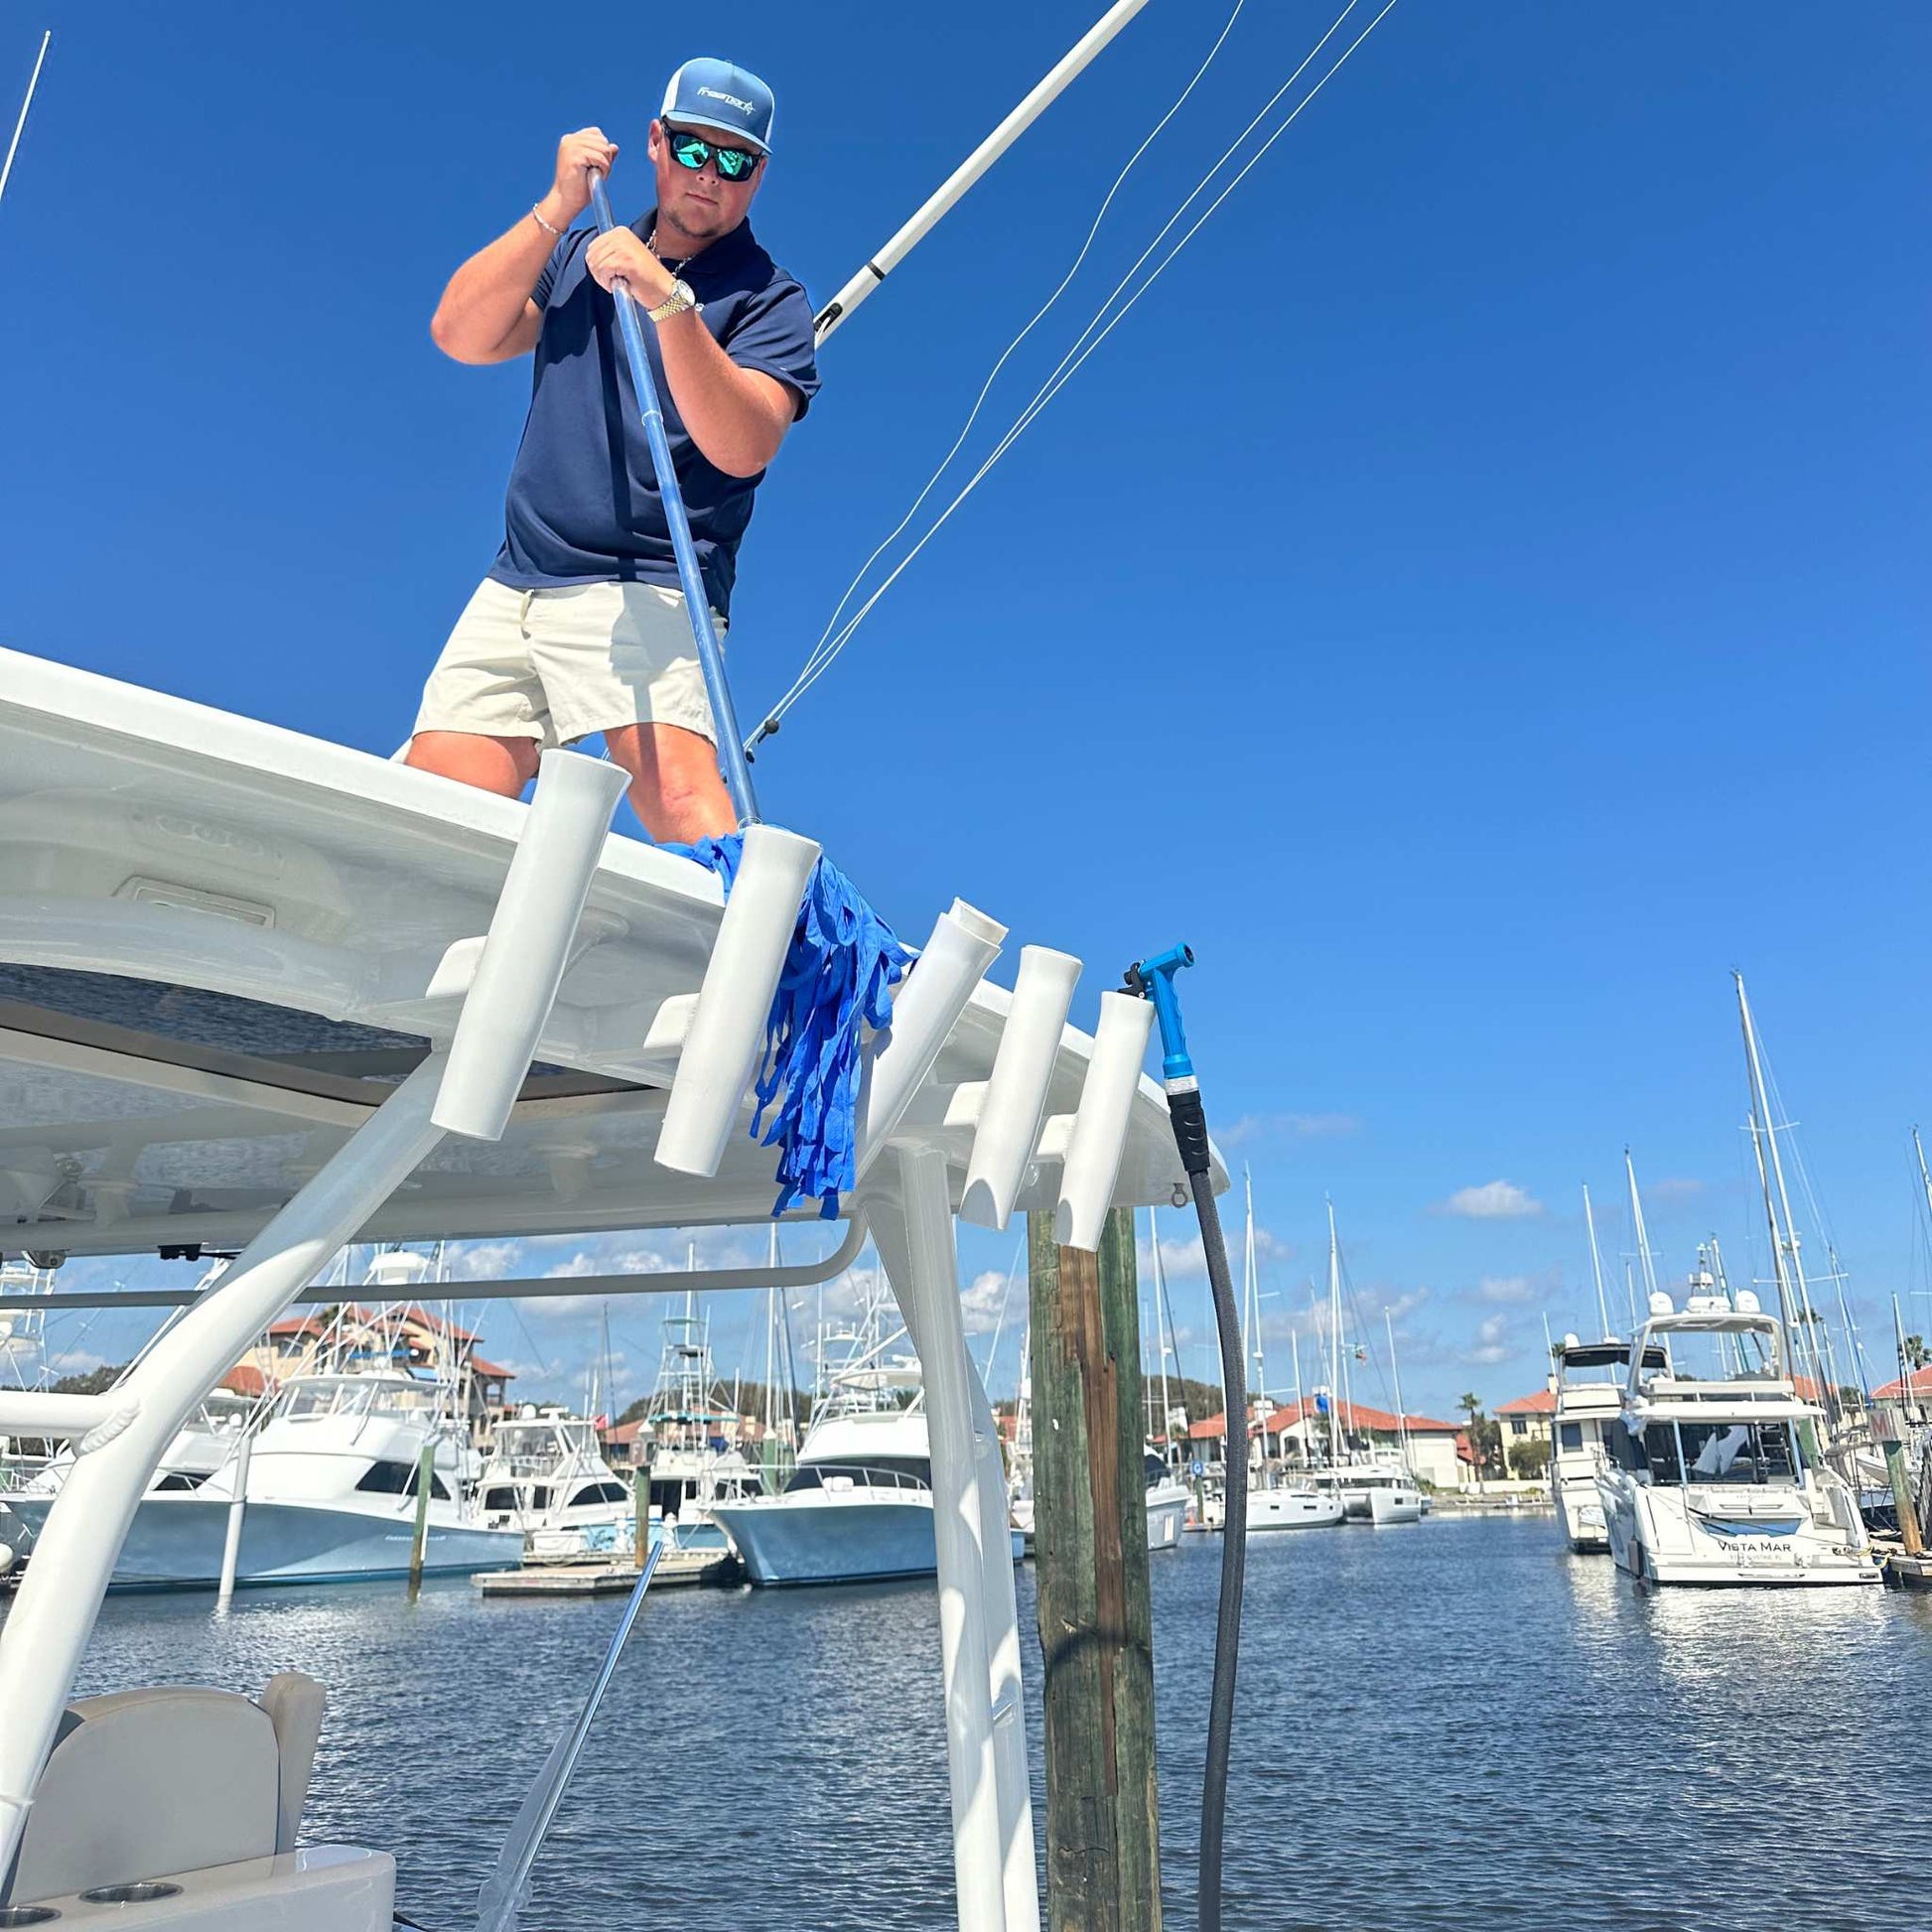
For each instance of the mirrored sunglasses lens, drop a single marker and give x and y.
(690, 152)
(735, 164)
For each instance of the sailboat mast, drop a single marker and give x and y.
(1395, 1376)
(1253, 1290)
(1597, 1264)
(1338, 1375)
(1160, 1335)
(1301, 1402)
(1785, 1236)
(1645, 1261)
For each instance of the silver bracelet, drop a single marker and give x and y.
(542, 223)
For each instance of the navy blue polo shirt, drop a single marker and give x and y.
(583, 505)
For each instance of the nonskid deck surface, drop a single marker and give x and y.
(219, 949)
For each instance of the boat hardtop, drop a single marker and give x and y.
(221, 944)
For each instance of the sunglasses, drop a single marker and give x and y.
(693, 150)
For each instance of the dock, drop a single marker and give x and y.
(675, 1568)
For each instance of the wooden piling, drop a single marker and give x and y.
(1103, 1835)
(425, 1481)
(640, 1509)
(1901, 1495)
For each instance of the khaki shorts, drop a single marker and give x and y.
(557, 664)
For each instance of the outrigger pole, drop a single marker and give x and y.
(19, 126)
(962, 178)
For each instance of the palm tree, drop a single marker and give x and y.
(1916, 1352)
(1472, 1406)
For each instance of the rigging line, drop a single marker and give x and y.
(823, 651)
(823, 654)
(1007, 354)
(1071, 363)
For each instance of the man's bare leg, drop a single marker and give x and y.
(503, 765)
(674, 783)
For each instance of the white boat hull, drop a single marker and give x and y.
(1165, 1517)
(1580, 1510)
(821, 1536)
(1661, 1538)
(1291, 1509)
(1397, 1504)
(176, 1543)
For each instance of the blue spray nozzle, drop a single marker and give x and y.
(1152, 979)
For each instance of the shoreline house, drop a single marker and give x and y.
(1903, 1403)
(1523, 1420)
(1296, 1434)
(352, 1336)
(1439, 1451)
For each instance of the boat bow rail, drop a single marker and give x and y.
(222, 943)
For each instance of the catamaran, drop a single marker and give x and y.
(1713, 1473)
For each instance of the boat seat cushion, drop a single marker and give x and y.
(144, 1782)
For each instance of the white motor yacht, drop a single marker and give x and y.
(331, 1496)
(1587, 1390)
(1711, 1473)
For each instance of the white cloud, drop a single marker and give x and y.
(1494, 1200)
(1493, 1343)
(1183, 1259)
(981, 1300)
(1294, 1127)
(1676, 1191)
(1505, 1287)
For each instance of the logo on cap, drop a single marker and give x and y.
(712, 93)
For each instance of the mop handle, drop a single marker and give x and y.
(724, 716)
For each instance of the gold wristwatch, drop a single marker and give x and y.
(674, 303)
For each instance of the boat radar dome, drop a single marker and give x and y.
(1569, 1341)
(1660, 1302)
(1748, 1302)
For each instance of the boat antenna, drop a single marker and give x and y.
(1597, 1264)
(20, 125)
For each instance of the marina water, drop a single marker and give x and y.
(1443, 1726)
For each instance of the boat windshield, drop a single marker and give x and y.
(355, 1395)
(1722, 1451)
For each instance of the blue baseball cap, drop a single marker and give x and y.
(715, 93)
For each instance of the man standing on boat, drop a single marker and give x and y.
(580, 626)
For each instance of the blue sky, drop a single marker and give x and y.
(1478, 598)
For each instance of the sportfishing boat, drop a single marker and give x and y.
(1586, 1391)
(547, 1478)
(692, 1464)
(858, 1508)
(1713, 1474)
(329, 1474)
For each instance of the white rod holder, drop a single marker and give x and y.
(725, 1036)
(529, 944)
(965, 943)
(1014, 1108)
(1100, 1125)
